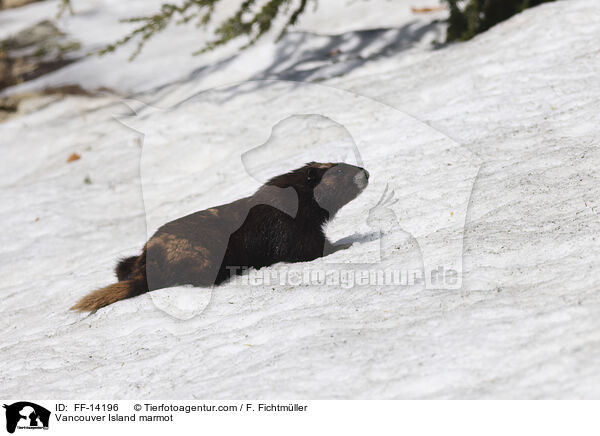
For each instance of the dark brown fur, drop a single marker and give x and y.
(282, 222)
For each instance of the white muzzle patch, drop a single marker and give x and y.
(360, 180)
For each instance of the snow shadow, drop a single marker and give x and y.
(307, 56)
(302, 56)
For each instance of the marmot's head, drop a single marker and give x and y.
(339, 184)
(332, 185)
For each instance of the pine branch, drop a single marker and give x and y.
(65, 5)
(244, 22)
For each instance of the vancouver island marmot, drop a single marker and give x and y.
(282, 222)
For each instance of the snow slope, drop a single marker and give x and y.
(514, 113)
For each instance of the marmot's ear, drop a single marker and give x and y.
(313, 174)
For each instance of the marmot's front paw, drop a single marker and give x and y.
(330, 248)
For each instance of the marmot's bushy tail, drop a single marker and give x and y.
(110, 294)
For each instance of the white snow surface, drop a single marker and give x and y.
(490, 147)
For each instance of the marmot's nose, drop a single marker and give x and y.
(366, 174)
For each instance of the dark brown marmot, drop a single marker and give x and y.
(282, 222)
